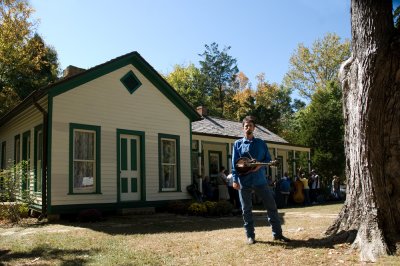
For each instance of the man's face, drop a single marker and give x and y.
(248, 128)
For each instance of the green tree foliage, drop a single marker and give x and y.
(313, 68)
(320, 126)
(220, 69)
(26, 63)
(272, 104)
(189, 82)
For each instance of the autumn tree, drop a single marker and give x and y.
(220, 69)
(312, 68)
(26, 63)
(240, 105)
(371, 93)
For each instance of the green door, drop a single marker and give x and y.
(129, 168)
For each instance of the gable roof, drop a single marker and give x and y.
(133, 58)
(213, 126)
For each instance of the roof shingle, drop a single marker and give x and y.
(226, 128)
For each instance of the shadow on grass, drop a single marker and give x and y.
(45, 253)
(345, 237)
(167, 223)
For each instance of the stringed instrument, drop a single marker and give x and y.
(298, 195)
(246, 166)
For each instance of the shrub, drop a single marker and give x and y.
(211, 207)
(224, 207)
(198, 209)
(15, 200)
(23, 210)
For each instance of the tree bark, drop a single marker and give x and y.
(371, 94)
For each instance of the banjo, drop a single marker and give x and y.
(245, 165)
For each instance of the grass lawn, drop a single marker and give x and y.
(168, 239)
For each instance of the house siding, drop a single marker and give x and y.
(105, 102)
(18, 125)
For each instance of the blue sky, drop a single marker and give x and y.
(263, 34)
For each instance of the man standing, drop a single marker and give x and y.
(255, 149)
(315, 186)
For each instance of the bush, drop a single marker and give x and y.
(23, 210)
(198, 209)
(211, 207)
(224, 207)
(15, 201)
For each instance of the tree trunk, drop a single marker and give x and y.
(371, 94)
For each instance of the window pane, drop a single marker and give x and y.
(84, 174)
(168, 149)
(84, 145)
(169, 176)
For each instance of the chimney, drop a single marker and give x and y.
(202, 110)
(72, 71)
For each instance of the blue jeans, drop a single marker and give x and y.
(245, 195)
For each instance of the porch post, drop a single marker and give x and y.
(294, 163)
(199, 170)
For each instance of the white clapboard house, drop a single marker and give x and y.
(111, 137)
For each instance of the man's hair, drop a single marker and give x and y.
(249, 119)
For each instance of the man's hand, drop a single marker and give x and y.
(236, 185)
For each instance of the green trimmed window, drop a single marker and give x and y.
(84, 159)
(169, 162)
(131, 82)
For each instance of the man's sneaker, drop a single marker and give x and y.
(251, 241)
(281, 238)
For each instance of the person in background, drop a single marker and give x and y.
(285, 189)
(306, 189)
(207, 188)
(314, 186)
(222, 183)
(336, 187)
(233, 193)
(254, 149)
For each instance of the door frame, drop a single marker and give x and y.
(219, 153)
(141, 136)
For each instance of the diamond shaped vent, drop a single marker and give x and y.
(131, 82)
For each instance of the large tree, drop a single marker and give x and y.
(371, 91)
(26, 63)
(189, 82)
(312, 68)
(220, 69)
